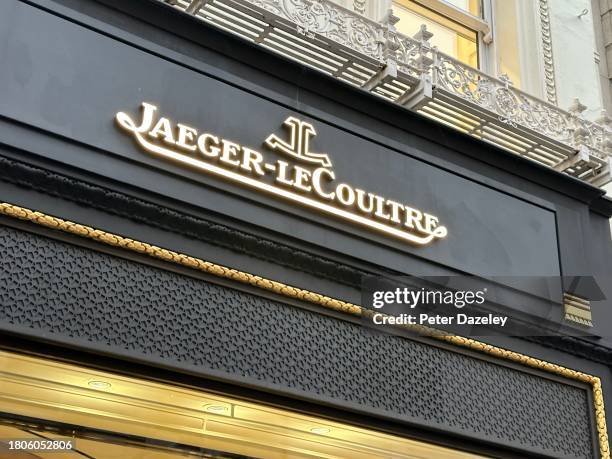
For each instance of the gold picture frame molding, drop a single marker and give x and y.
(114, 240)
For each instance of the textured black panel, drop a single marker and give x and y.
(73, 292)
(154, 215)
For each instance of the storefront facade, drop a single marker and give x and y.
(185, 212)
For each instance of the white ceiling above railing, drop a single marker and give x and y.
(410, 72)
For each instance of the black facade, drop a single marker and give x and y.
(224, 287)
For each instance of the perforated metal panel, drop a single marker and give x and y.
(81, 297)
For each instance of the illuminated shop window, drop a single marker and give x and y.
(450, 37)
(79, 412)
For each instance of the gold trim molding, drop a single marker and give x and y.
(170, 256)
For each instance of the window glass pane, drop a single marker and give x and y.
(471, 6)
(450, 38)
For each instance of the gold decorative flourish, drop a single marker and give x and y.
(170, 256)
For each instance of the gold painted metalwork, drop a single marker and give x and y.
(114, 240)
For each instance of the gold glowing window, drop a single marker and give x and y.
(449, 36)
(469, 6)
(114, 416)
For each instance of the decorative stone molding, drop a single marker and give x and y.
(409, 71)
(577, 310)
(359, 6)
(547, 52)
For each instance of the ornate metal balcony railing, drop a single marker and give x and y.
(411, 72)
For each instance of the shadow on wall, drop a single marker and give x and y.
(608, 189)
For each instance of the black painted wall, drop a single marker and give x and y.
(75, 81)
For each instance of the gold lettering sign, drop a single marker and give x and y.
(307, 180)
